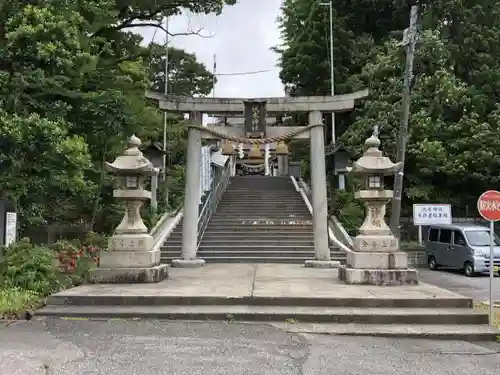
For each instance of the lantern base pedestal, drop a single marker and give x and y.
(387, 277)
(129, 275)
(381, 260)
(313, 263)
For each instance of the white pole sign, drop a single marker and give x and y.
(10, 228)
(430, 214)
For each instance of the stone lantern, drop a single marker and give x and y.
(282, 155)
(376, 259)
(131, 257)
(340, 160)
(154, 152)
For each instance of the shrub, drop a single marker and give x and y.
(349, 211)
(29, 273)
(76, 260)
(14, 302)
(31, 268)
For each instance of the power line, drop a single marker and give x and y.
(295, 39)
(243, 73)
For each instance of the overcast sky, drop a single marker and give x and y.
(243, 35)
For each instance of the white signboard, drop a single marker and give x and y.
(431, 214)
(10, 228)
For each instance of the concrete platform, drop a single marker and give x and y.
(260, 284)
(277, 293)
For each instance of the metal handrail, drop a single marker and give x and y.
(156, 231)
(219, 185)
(307, 196)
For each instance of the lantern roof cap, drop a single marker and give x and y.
(132, 161)
(373, 161)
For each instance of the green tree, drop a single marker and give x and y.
(454, 122)
(76, 67)
(43, 168)
(186, 76)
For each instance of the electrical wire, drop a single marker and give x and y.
(243, 73)
(294, 40)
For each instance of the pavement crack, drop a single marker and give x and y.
(471, 354)
(298, 352)
(254, 277)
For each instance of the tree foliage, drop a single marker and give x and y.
(454, 120)
(72, 80)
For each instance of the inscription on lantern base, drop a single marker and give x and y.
(130, 242)
(130, 250)
(374, 243)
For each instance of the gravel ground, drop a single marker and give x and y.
(119, 347)
(476, 288)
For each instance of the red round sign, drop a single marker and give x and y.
(488, 205)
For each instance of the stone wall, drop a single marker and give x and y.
(417, 257)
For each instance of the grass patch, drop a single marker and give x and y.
(484, 308)
(14, 303)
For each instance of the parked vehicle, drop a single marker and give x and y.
(461, 246)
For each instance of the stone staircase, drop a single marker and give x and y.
(259, 220)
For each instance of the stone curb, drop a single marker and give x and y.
(117, 300)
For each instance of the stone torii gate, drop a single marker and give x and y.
(262, 134)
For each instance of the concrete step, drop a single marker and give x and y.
(278, 198)
(292, 253)
(259, 211)
(261, 227)
(260, 203)
(152, 297)
(296, 235)
(254, 247)
(248, 219)
(261, 192)
(225, 242)
(263, 221)
(253, 260)
(335, 255)
(302, 314)
(284, 211)
(460, 332)
(252, 232)
(248, 259)
(243, 206)
(262, 207)
(250, 237)
(272, 203)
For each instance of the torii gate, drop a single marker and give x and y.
(314, 105)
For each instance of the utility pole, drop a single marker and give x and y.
(214, 75)
(165, 118)
(332, 71)
(409, 43)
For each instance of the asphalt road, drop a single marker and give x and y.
(473, 287)
(59, 347)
